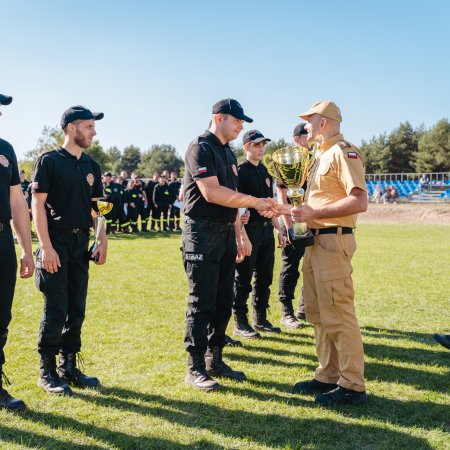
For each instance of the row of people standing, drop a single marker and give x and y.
(154, 204)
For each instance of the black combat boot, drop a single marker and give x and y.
(287, 317)
(197, 376)
(261, 323)
(216, 367)
(48, 378)
(243, 329)
(7, 401)
(232, 342)
(69, 372)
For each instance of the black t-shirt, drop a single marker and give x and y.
(9, 176)
(161, 195)
(149, 190)
(208, 157)
(70, 183)
(174, 189)
(24, 185)
(256, 181)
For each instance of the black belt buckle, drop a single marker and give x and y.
(76, 230)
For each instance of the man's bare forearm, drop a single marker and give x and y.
(41, 223)
(21, 222)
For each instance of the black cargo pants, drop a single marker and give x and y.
(64, 292)
(289, 274)
(209, 257)
(8, 270)
(260, 265)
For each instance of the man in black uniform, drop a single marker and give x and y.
(12, 205)
(66, 181)
(210, 243)
(254, 179)
(151, 209)
(113, 195)
(161, 200)
(174, 189)
(291, 254)
(136, 200)
(123, 221)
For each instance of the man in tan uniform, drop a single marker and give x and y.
(336, 193)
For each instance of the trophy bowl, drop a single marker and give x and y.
(291, 166)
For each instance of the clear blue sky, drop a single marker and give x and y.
(156, 67)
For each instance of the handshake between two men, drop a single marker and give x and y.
(269, 208)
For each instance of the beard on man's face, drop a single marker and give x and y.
(81, 141)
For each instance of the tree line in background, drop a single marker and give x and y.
(405, 149)
(156, 159)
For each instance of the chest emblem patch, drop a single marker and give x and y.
(4, 161)
(234, 169)
(90, 179)
(268, 182)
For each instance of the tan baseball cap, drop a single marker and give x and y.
(324, 108)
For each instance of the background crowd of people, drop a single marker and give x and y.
(138, 206)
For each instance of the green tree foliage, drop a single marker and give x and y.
(115, 158)
(393, 153)
(433, 154)
(96, 151)
(51, 138)
(131, 157)
(158, 158)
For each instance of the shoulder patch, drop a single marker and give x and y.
(344, 144)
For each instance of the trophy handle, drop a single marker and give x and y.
(267, 161)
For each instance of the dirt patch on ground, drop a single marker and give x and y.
(407, 213)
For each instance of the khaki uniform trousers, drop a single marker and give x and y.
(329, 306)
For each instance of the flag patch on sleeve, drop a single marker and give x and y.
(201, 170)
(353, 155)
(35, 185)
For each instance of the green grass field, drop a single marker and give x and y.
(133, 340)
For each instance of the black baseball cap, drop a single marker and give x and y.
(5, 100)
(255, 137)
(232, 107)
(107, 174)
(300, 129)
(79, 113)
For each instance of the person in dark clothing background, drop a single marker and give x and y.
(174, 189)
(12, 206)
(255, 180)
(113, 195)
(161, 200)
(151, 209)
(291, 254)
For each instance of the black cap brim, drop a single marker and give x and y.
(98, 116)
(241, 117)
(5, 100)
(262, 139)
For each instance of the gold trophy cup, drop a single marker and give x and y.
(100, 208)
(291, 166)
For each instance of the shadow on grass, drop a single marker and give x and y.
(266, 429)
(29, 438)
(116, 439)
(250, 359)
(424, 338)
(279, 351)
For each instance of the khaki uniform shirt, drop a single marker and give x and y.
(339, 167)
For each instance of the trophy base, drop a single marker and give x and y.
(305, 240)
(91, 250)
